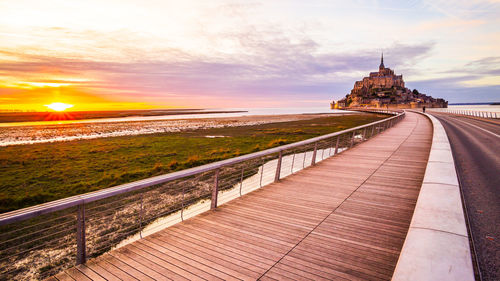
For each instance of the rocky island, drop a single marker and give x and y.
(384, 89)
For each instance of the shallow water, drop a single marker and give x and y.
(243, 112)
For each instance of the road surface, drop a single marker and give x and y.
(476, 148)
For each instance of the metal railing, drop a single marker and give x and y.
(474, 113)
(39, 241)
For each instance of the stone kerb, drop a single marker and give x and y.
(437, 244)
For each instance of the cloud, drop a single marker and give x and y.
(487, 66)
(464, 9)
(270, 63)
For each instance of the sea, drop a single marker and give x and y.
(201, 115)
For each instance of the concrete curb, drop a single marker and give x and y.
(437, 244)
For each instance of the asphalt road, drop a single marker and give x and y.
(476, 149)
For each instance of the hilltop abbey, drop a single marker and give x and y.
(387, 90)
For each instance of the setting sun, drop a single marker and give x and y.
(59, 106)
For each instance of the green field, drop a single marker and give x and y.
(38, 173)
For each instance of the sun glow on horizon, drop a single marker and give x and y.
(59, 106)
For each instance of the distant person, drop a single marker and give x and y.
(423, 109)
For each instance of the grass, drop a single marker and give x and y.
(38, 173)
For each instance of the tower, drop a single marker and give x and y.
(381, 63)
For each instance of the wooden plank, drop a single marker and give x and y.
(285, 240)
(222, 249)
(187, 257)
(137, 252)
(225, 264)
(302, 273)
(63, 276)
(105, 271)
(244, 246)
(156, 251)
(114, 262)
(76, 274)
(145, 267)
(234, 235)
(89, 273)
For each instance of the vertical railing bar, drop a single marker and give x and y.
(304, 160)
(140, 216)
(262, 172)
(81, 255)
(215, 190)
(182, 210)
(352, 138)
(241, 178)
(322, 154)
(337, 146)
(293, 161)
(278, 167)
(313, 160)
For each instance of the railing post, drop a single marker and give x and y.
(373, 131)
(81, 253)
(278, 167)
(261, 173)
(241, 179)
(215, 190)
(313, 161)
(140, 213)
(352, 138)
(293, 161)
(364, 134)
(182, 207)
(337, 145)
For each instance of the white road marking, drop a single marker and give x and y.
(496, 135)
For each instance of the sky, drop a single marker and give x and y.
(127, 54)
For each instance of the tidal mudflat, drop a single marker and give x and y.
(20, 135)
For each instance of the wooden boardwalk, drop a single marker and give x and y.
(345, 218)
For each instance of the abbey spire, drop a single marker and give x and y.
(382, 62)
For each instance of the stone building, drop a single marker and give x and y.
(385, 89)
(384, 78)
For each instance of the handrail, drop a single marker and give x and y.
(49, 207)
(466, 112)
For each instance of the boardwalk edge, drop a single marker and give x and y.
(437, 244)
